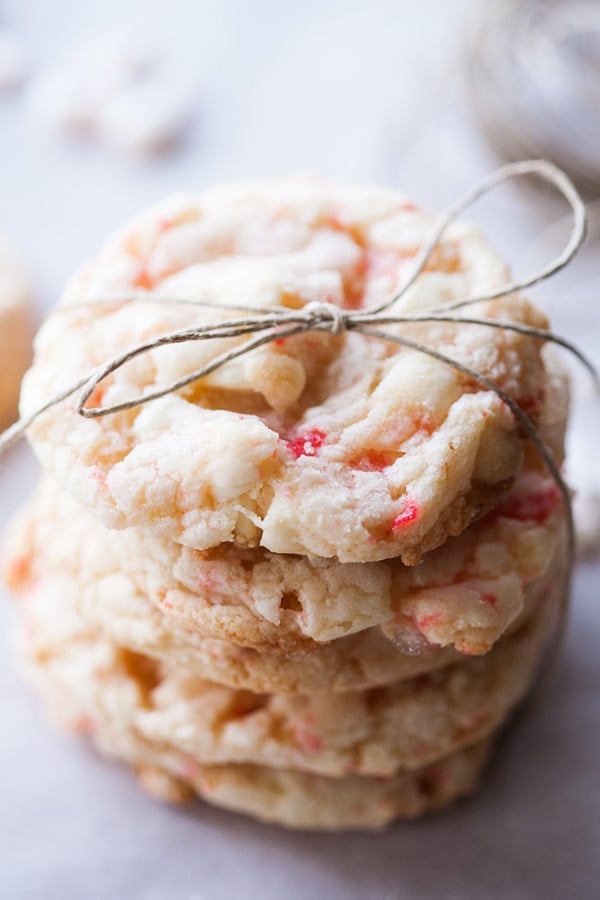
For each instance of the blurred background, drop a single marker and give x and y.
(108, 106)
(104, 109)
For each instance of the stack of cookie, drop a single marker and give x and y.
(312, 585)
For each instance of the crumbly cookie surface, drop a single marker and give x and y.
(303, 800)
(375, 733)
(291, 798)
(464, 595)
(333, 446)
(126, 616)
(116, 609)
(15, 331)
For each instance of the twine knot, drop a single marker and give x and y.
(320, 312)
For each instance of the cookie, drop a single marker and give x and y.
(15, 331)
(376, 733)
(325, 445)
(127, 617)
(290, 798)
(362, 660)
(463, 595)
(302, 800)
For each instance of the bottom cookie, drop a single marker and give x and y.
(302, 800)
(280, 796)
(111, 694)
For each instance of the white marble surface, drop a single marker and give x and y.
(347, 89)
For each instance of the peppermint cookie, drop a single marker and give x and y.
(302, 800)
(319, 444)
(285, 797)
(376, 733)
(463, 595)
(15, 331)
(128, 618)
(125, 616)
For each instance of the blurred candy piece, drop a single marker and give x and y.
(13, 60)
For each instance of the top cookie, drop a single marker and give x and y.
(340, 446)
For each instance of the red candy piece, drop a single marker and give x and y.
(83, 725)
(408, 515)
(98, 474)
(306, 444)
(373, 460)
(143, 279)
(537, 505)
(427, 621)
(424, 421)
(96, 397)
(309, 742)
(18, 570)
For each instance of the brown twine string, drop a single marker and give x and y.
(264, 326)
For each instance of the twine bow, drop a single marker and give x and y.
(264, 326)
